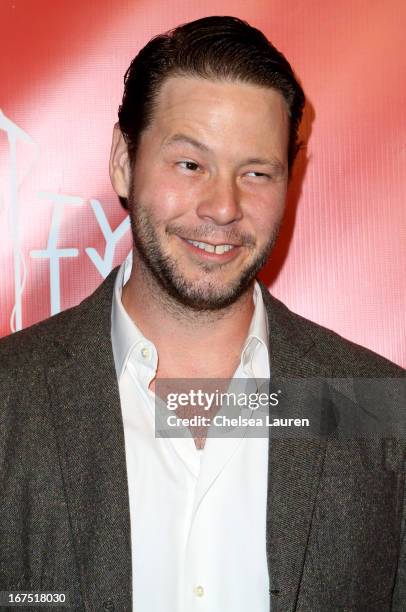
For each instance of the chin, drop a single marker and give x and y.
(201, 296)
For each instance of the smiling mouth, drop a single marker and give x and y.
(218, 249)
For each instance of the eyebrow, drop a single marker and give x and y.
(277, 166)
(183, 138)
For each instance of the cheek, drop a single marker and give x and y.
(165, 196)
(265, 214)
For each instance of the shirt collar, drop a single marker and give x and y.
(255, 353)
(125, 334)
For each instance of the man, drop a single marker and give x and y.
(93, 504)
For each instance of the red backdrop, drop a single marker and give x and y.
(341, 258)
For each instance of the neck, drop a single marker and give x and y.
(199, 343)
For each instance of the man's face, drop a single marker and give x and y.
(208, 188)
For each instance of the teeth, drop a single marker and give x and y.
(210, 248)
(223, 248)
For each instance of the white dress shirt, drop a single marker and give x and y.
(197, 517)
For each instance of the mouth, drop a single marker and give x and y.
(213, 252)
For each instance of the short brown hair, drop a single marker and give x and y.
(217, 48)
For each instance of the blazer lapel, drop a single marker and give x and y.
(85, 404)
(295, 459)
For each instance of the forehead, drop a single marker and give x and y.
(218, 108)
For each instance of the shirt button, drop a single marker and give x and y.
(145, 353)
(198, 591)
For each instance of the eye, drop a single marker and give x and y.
(188, 165)
(260, 175)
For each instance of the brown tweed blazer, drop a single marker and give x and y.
(336, 506)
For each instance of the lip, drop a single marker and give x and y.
(223, 257)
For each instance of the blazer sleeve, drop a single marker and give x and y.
(399, 593)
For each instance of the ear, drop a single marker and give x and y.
(119, 164)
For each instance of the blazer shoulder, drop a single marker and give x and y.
(341, 356)
(34, 343)
(63, 333)
(344, 353)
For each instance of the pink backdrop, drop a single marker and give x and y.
(341, 258)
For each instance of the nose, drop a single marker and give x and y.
(221, 204)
